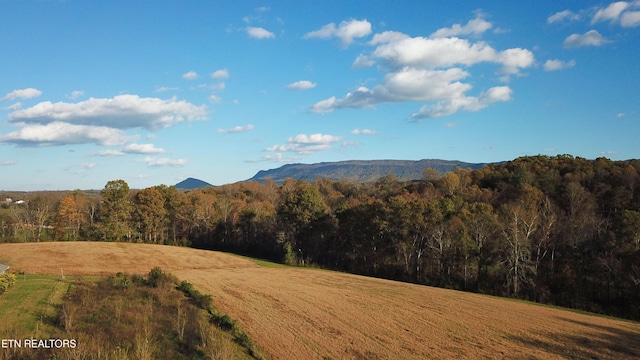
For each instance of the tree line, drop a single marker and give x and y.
(558, 230)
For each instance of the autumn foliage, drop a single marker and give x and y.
(559, 230)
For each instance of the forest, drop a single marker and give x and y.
(558, 230)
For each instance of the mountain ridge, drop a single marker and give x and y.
(361, 170)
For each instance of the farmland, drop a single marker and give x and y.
(295, 313)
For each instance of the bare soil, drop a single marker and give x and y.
(297, 313)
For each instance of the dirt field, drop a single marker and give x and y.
(312, 314)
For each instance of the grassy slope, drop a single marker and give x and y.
(29, 308)
(305, 313)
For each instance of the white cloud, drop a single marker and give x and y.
(590, 38)
(237, 129)
(630, 19)
(400, 51)
(166, 88)
(306, 144)
(191, 75)
(363, 61)
(301, 85)
(445, 108)
(277, 157)
(142, 149)
(554, 65)
(473, 27)
(611, 13)
(120, 112)
(562, 16)
(623, 13)
(405, 85)
(217, 87)
(215, 99)
(110, 152)
(430, 70)
(14, 107)
(75, 94)
(8, 162)
(157, 162)
(59, 133)
(220, 74)
(260, 33)
(22, 94)
(347, 31)
(363, 132)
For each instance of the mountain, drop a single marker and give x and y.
(361, 170)
(191, 183)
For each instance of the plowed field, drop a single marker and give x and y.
(313, 314)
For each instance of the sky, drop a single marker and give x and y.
(155, 92)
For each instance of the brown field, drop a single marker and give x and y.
(313, 314)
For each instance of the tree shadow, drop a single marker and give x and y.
(595, 342)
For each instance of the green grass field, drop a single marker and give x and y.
(30, 308)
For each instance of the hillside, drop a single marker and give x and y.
(296, 313)
(361, 170)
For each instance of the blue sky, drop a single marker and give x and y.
(155, 92)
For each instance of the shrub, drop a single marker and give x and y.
(7, 281)
(203, 301)
(155, 275)
(224, 322)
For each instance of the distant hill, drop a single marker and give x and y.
(191, 183)
(361, 170)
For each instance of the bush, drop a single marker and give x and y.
(224, 322)
(155, 275)
(7, 281)
(203, 301)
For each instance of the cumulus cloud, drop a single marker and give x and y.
(303, 144)
(220, 74)
(214, 99)
(465, 103)
(60, 133)
(554, 65)
(347, 31)
(120, 112)
(191, 75)
(590, 38)
(237, 129)
(398, 50)
(630, 19)
(363, 132)
(610, 13)
(623, 13)
(415, 85)
(142, 149)
(474, 27)
(158, 162)
(260, 33)
(301, 85)
(431, 70)
(22, 94)
(564, 15)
